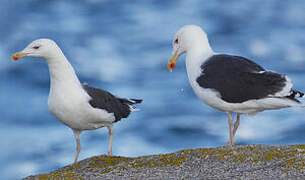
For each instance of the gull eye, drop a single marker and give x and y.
(36, 47)
(176, 41)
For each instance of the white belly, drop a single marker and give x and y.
(77, 113)
(213, 99)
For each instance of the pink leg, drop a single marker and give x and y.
(109, 153)
(78, 146)
(236, 124)
(230, 121)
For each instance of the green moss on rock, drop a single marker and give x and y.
(291, 157)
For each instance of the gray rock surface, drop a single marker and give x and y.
(240, 162)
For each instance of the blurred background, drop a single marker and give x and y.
(123, 47)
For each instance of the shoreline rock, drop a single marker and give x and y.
(239, 162)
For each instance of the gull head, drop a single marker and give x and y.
(188, 38)
(43, 48)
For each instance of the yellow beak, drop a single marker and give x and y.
(172, 62)
(18, 55)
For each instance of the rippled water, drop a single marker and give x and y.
(123, 47)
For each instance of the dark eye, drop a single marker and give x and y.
(36, 47)
(176, 41)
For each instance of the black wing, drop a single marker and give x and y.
(238, 79)
(101, 99)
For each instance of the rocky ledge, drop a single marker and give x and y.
(240, 162)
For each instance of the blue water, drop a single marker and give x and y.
(123, 47)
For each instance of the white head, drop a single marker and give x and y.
(43, 48)
(188, 38)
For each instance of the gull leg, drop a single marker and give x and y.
(78, 147)
(236, 124)
(110, 130)
(230, 121)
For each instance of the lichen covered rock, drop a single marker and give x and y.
(245, 162)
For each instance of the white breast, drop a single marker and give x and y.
(208, 96)
(71, 107)
(69, 103)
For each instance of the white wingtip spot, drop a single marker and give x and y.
(133, 109)
(286, 90)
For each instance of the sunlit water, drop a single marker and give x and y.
(123, 47)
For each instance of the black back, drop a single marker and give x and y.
(238, 79)
(104, 100)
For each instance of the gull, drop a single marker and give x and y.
(229, 83)
(77, 105)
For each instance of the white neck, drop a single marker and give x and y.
(195, 57)
(62, 74)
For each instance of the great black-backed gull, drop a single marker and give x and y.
(77, 105)
(230, 83)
